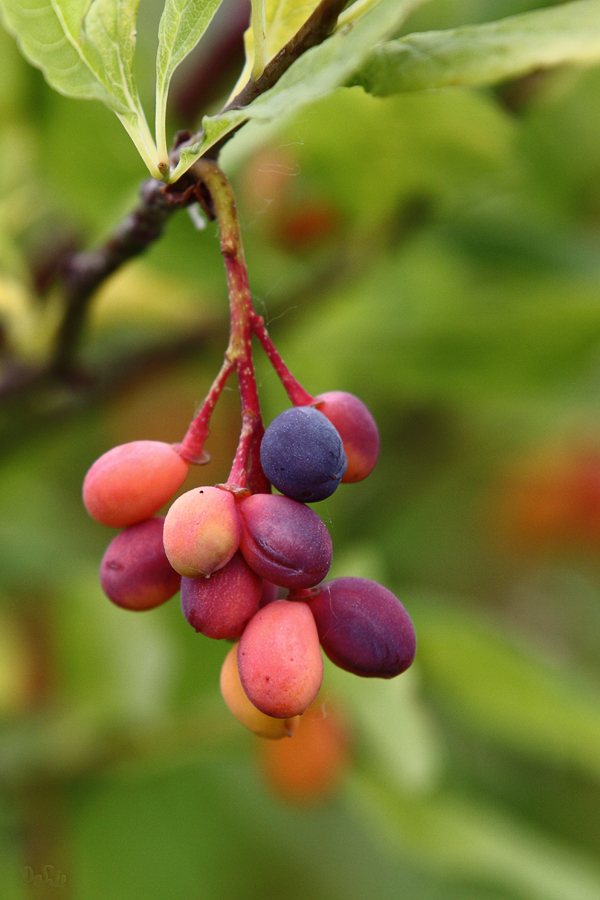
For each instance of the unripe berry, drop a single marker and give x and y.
(202, 531)
(131, 482)
(245, 711)
(308, 768)
(279, 659)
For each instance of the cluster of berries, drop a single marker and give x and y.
(232, 553)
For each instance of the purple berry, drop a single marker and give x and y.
(284, 541)
(363, 627)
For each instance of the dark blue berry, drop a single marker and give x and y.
(302, 454)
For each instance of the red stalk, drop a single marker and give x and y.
(246, 470)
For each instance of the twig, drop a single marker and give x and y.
(315, 30)
(86, 271)
(36, 403)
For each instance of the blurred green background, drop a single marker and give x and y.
(438, 254)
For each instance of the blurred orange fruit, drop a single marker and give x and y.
(308, 767)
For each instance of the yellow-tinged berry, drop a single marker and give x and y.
(202, 531)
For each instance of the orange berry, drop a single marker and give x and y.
(131, 482)
(308, 767)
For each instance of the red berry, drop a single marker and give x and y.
(357, 429)
(220, 606)
(135, 572)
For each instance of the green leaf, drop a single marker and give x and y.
(504, 692)
(283, 19)
(465, 838)
(182, 24)
(213, 129)
(315, 74)
(85, 50)
(486, 54)
(48, 36)
(110, 26)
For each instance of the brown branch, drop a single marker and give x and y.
(30, 400)
(35, 402)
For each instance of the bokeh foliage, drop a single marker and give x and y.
(456, 289)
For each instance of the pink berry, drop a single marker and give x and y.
(245, 711)
(279, 659)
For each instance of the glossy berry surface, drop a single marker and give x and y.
(202, 531)
(220, 606)
(244, 710)
(302, 454)
(135, 572)
(279, 659)
(357, 429)
(364, 628)
(131, 482)
(284, 541)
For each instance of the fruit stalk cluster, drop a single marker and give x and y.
(250, 564)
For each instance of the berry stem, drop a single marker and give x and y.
(257, 481)
(192, 446)
(294, 389)
(238, 355)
